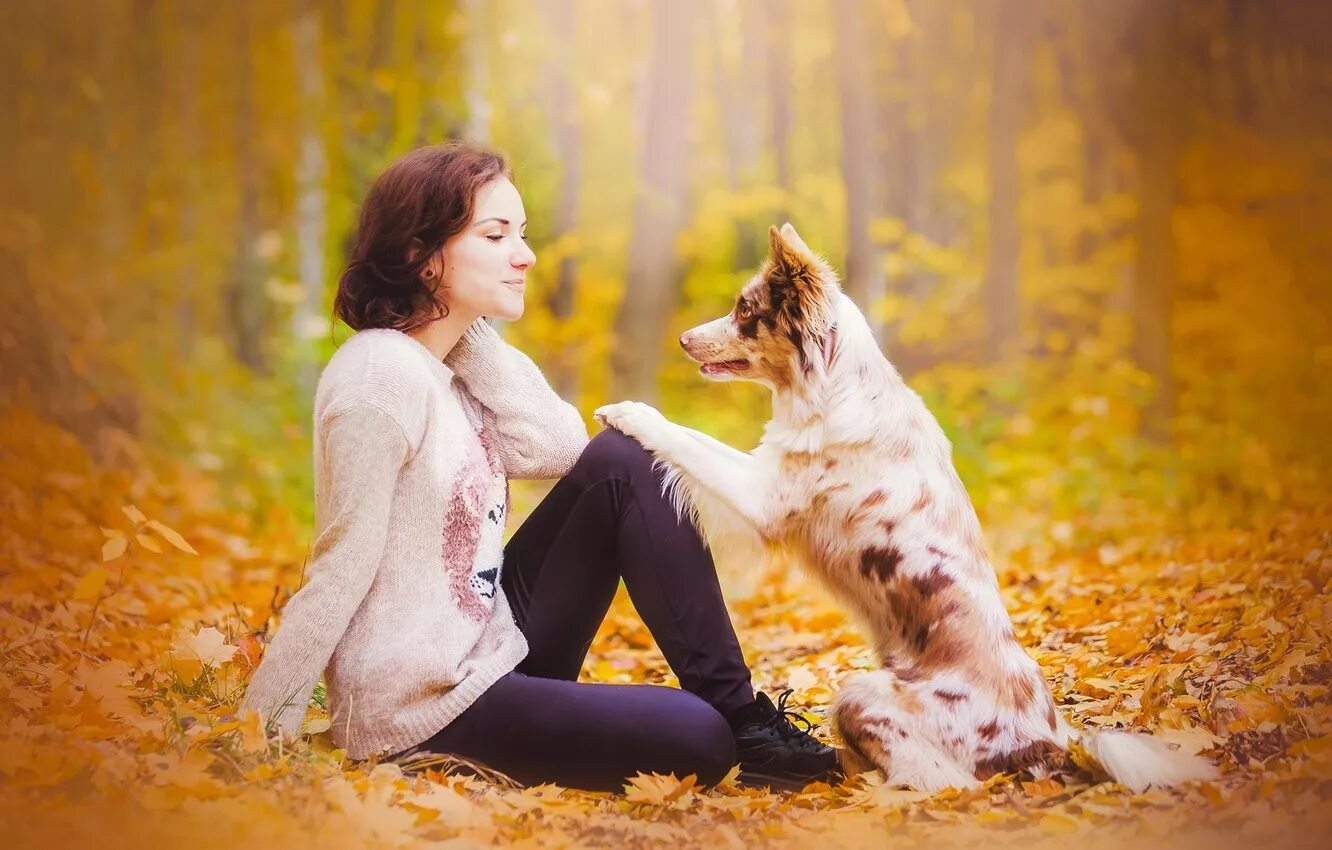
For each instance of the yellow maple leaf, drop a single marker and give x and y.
(801, 678)
(1099, 688)
(1192, 740)
(658, 790)
(107, 683)
(445, 805)
(894, 798)
(210, 647)
(189, 654)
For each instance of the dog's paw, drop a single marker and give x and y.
(633, 418)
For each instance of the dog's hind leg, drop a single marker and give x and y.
(883, 721)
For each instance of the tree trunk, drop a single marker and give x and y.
(778, 44)
(739, 90)
(860, 165)
(189, 25)
(474, 54)
(1154, 275)
(407, 77)
(109, 154)
(561, 17)
(311, 194)
(651, 282)
(901, 195)
(1007, 93)
(1154, 278)
(244, 297)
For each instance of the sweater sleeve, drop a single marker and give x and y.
(541, 434)
(363, 449)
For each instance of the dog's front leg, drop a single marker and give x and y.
(707, 465)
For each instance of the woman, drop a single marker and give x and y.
(436, 636)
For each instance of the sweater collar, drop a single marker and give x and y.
(439, 366)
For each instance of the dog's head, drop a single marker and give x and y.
(780, 322)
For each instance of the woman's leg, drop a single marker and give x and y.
(605, 520)
(586, 735)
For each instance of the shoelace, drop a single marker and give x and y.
(782, 721)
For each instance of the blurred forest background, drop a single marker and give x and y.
(1093, 235)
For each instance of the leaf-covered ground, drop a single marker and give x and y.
(128, 602)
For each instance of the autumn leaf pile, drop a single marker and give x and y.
(130, 605)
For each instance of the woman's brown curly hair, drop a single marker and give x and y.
(427, 195)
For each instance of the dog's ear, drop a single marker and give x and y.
(796, 282)
(790, 253)
(794, 266)
(788, 233)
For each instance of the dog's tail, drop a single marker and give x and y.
(1140, 761)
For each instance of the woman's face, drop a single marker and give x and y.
(484, 268)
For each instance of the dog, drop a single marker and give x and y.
(854, 479)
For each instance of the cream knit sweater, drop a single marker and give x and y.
(402, 602)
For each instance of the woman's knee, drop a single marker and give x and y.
(613, 452)
(704, 743)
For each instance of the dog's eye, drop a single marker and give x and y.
(743, 310)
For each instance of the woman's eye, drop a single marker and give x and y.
(494, 237)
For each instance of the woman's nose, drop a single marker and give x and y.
(524, 258)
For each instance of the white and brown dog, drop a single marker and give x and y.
(854, 478)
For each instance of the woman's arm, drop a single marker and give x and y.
(364, 448)
(541, 434)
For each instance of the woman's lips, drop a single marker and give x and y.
(515, 284)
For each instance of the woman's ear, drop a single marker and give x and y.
(431, 270)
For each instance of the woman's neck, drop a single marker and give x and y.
(441, 335)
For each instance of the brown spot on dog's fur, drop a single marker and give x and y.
(1050, 717)
(950, 696)
(922, 638)
(932, 582)
(909, 674)
(990, 730)
(937, 551)
(866, 507)
(880, 724)
(889, 525)
(881, 563)
(830, 347)
(1021, 690)
(829, 463)
(1023, 758)
(923, 499)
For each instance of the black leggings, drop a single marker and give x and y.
(604, 521)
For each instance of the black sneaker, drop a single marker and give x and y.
(773, 752)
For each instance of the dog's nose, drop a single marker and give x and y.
(684, 340)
